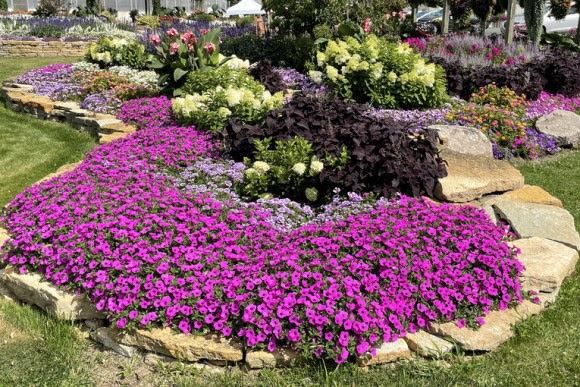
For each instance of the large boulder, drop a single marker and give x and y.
(184, 347)
(540, 220)
(547, 263)
(464, 139)
(387, 353)
(33, 289)
(470, 177)
(563, 125)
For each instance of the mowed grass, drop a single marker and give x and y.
(38, 350)
(30, 148)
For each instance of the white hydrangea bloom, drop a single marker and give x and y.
(261, 166)
(299, 168)
(316, 167)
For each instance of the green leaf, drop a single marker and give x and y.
(178, 74)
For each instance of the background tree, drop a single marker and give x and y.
(484, 9)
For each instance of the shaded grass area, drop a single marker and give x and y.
(38, 350)
(30, 148)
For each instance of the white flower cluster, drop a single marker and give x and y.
(235, 63)
(233, 98)
(344, 57)
(86, 67)
(316, 167)
(145, 78)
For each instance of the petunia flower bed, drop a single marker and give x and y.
(134, 230)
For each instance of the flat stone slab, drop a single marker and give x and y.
(387, 353)
(539, 220)
(33, 289)
(470, 177)
(563, 125)
(184, 347)
(464, 139)
(547, 263)
(106, 336)
(3, 236)
(283, 357)
(526, 194)
(497, 328)
(428, 345)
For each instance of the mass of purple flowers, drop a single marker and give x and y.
(547, 103)
(147, 112)
(64, 82)
(133, 229)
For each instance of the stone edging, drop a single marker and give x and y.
(549, 250)
(103, 127)
(40, 48)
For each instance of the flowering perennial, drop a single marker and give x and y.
(149, 251)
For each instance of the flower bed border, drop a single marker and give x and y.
(103, 127)
(215, 351)
(42, 48)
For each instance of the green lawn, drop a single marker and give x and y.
(29, 148)
(35, 349)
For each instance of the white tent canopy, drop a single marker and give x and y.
(245, 7)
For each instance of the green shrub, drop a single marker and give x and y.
(3, 5)
(46, 31)
(201, 81)
(204, 17)
(245, 21)
(381, 73)
(279, 50)
(149, 20)
(210, 110)
(287, 169)
(117, 52)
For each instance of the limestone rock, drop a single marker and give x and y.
(539, 220)
(491, 213)
(563, 125)
(5, 293)
(526, 194)
(112, 137)
(33, 289)
(3, 236)
(185, 347)
(463, 139)
(106, 336)
(547, 263)
(282, 357)
(470, 177)
(387, 353)
(428, 345)
(496, 330)
(66, 105)
(63, 169)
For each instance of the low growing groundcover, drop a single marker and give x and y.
(149, 250)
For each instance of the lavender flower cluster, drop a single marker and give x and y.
(294, 80)
(417, 119)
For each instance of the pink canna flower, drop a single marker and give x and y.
(209, 48)
(173, 48)
(154, 39)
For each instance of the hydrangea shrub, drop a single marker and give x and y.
(382, 73)
(108, 52)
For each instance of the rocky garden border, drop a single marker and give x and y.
(41, 48)
(549, 245)
(103, 127)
